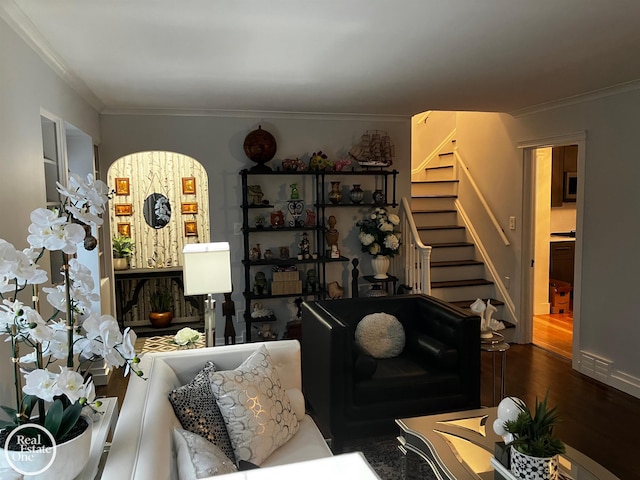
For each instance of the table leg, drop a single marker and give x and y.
(493, 378)
(503, 373)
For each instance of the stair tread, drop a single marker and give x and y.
(434, 196)
(456, 263)
(461, 283)
(441, 227)
(452, 244)
(438, 167)
(433, 181)
(451, 210)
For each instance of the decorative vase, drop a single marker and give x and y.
(71, 458)
(160, 319)
(533, 468)
(121, 263)
(356, 194)
(335, 195)
(380, 265)
(378, 197)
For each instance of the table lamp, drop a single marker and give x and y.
(207, 270)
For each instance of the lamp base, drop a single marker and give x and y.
(210, 321)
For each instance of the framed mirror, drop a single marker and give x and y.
(157, 210)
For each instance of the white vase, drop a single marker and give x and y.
(380, 265)
(71, 457)
(533, 468)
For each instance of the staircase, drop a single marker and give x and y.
(457, 276)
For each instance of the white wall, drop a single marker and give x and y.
(27, 85)
(216, 142)
(609, 327)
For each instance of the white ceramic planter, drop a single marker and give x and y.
(71, 457)
(380, 266)
(533, 468)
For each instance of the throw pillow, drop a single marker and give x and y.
(197, 410)
(199, 458)
(380, 335)
(255, 407)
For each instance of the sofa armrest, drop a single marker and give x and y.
(424, 348)
(326, 343)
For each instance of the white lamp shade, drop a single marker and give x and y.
(206, 268)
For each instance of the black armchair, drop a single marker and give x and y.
(352, 394)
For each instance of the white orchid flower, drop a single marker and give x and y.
(42, 384)
(57, 297)
(52, 232)
(38, 328)
(71, 384)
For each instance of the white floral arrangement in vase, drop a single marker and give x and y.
(378, 233)
(186, 337)
(58, 393)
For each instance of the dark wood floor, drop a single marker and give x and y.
(600, 421)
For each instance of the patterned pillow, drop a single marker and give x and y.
(199, 458)
(255, 407)
(196, 408)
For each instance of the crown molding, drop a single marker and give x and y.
(20, 23)
(576, 99)
(257, 114)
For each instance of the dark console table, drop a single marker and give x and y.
(131, 283)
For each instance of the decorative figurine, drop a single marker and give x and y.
(304, 245)
(277, 218)
(255, 253)
(255, 194)
(284, 253)
(332, 234)
(335, 290)
(312, 280)
(265, 332)
(229, 310)
(260, 284)
(310, 221)
(295, 195)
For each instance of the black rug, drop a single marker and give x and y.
(383, 455)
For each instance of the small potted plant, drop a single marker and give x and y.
(122, 250)
(161, 314)
(534, 449)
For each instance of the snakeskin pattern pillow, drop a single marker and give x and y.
(197, 410)
(199, 458)
(255, 407)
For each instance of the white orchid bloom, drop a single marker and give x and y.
(52, 232)
(110, 331)
(71, 384)
(18, 267)
(90, 196)
(42, 384)
(129, 342)
(38, 328)
(57, 297)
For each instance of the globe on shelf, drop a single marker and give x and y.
(260, 146)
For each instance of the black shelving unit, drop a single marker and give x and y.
(320, 204)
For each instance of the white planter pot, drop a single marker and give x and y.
(380, 266)
(71, 457)
(533, 468)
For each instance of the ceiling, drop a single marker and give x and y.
(376, 57)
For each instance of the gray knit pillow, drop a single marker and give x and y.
(196, 408)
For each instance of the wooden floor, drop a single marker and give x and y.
(600, 421)
(554, 332)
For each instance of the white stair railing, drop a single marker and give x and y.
(417, 255)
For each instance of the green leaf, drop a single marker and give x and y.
(12, 412)
(54, 417)
(69, 419)
(6, 424)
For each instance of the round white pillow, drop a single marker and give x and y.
(380, 335)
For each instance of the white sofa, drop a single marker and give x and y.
(142, 443)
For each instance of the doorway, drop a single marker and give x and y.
(552, 205)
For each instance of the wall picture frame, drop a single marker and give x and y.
(187, 208)
(124, 229)
(188, 185)
(122, 186)
(123, 209)
(191, 228)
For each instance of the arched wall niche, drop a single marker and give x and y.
(180, 179)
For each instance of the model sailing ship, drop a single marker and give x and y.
(375, 149)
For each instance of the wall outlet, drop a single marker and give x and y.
(507, 282)
(237, 229)
(512, 223)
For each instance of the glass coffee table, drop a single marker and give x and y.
(460, 446)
